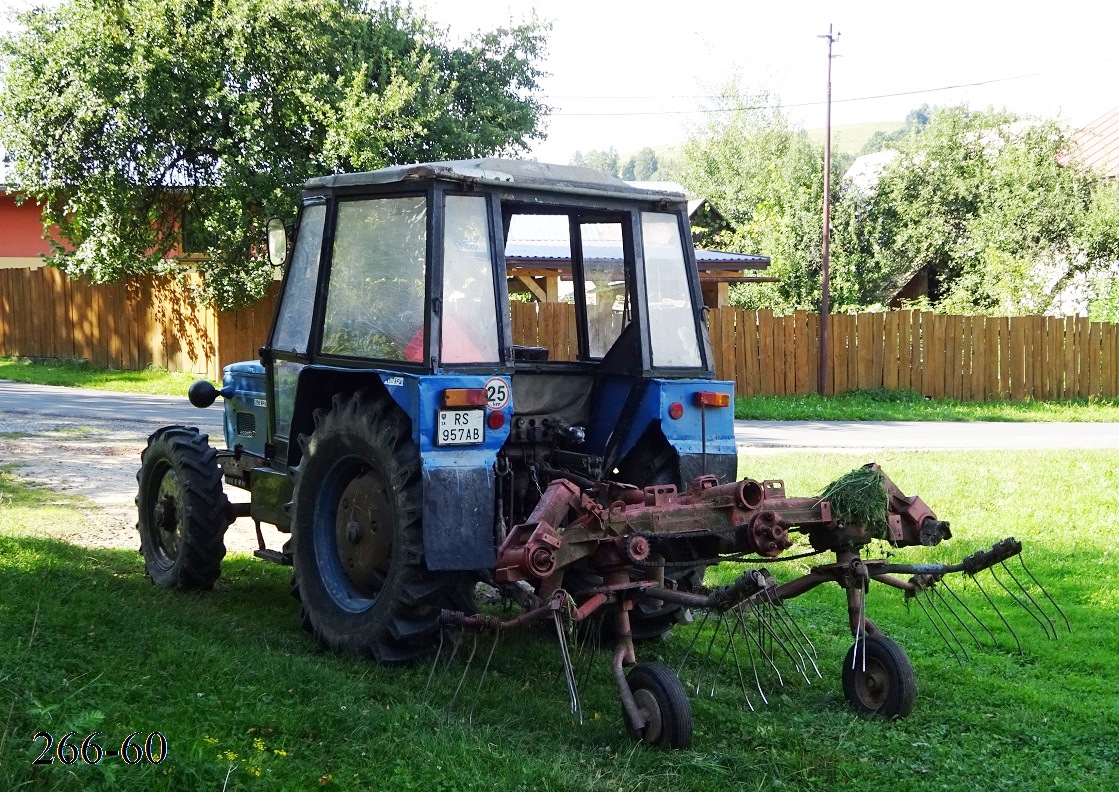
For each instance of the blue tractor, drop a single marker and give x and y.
(412, 448)
(396, 430)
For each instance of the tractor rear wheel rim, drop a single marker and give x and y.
(363, 539)
(354, 515)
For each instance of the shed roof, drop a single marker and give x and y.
(548, 251)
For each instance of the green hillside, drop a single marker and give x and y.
(850, 138)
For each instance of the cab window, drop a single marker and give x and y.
(375, 297)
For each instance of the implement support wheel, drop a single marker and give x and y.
(878, 678)
(664, 703)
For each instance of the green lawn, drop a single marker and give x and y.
(246, 701)
(887, 405)
(82, 375)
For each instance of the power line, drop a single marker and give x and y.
(794, 104)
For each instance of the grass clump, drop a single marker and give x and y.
(859, 497)
(881, 404)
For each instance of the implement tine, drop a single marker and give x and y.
(971, 613)
(939, 631)
(759, 641)
(948, 627)
(568, 666)
(482, 678)
(589, 649)
(738, 665)
(1002, 618)
(1021, 604)
(465, 671)
(435, 661)
(753, 664)
(775, 638)
(782, 619)
(1033, 602)
(447, 663)
(811, 647)
(742, 682)
(944, 601)
(691, 645)
(723, 658)
(1049, 597)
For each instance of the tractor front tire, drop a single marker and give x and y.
(183, 510)
(655, 461)
(357, 545)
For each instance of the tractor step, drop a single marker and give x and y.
(273, 557)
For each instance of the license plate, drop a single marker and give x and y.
(459, 427)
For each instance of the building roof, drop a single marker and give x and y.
(1096, 146)
(548, 251)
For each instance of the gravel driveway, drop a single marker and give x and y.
(96, 458)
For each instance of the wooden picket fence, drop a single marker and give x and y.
(144, 322)
(155, 321)
(971, 358)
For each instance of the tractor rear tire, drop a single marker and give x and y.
(886, 684)
(655, 461)
(357, 544)
(183, 510)
(661, 698)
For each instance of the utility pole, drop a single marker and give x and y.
(824, 275)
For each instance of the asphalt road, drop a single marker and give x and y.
(148, 413)
(35, 403)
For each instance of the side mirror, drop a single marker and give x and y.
(277, 242)
(202, 394)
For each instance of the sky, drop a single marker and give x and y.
(657, 62)
(629, 74)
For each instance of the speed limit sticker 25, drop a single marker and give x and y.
(497, 393)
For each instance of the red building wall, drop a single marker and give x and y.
(21, 229)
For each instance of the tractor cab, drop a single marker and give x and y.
(529, 319)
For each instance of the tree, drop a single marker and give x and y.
(132, 121)
(983, 201)
(602, 161)
(641, 166)
(767, 179)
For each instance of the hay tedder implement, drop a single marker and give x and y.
(417, 432)
(623, 536)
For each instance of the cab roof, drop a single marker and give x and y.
(523, 174)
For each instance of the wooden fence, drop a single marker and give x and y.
(152, 321)
(970, 358)
(145, 322)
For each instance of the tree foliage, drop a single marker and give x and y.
(766, 178)
(990, 204)
(604, 161)
(128, 119)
